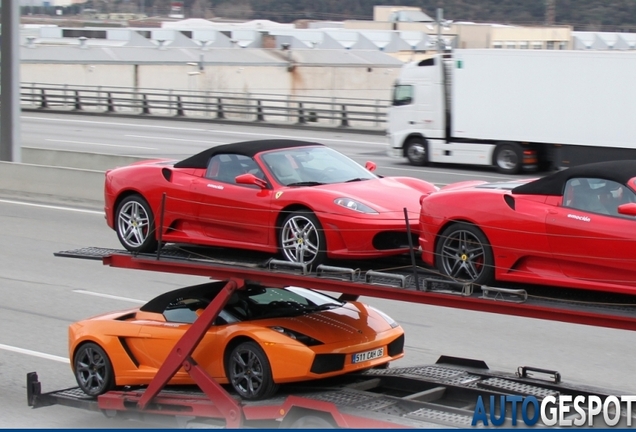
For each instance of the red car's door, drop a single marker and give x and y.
(593, 246)
(231, 212)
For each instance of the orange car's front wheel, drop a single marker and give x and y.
(250, 373)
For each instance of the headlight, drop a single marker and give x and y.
(304, 339)
(354, 205)
(387, 318)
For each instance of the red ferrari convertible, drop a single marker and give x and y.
(302, 199)
(574, 228)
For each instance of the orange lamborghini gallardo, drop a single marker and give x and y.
(263, 337)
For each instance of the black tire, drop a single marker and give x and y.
(416, 151)
(250, 373)
(93, 369)
(301, 239)
(311, 422)
(135, 224)
(464, 254)
(508, 158)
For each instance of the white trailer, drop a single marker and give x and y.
(515, 109)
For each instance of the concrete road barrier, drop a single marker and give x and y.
(59, 176)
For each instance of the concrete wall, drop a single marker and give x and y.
(59, 176)
(324, 81)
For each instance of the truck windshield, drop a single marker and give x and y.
(402, 94)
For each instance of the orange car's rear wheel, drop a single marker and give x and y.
(93, 369)
(250, 373)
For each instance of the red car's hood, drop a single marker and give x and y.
(382, 194)
(353, 322)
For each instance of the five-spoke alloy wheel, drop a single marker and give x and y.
(250, 373)
(135, 225)
(464, 254)
(302, 239)
(93, 369)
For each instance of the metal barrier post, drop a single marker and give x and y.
(301, 113)
(219, 109)
(145, 108)
(344, 122)
(43, 101)
(259, 111)
(78, 105)
(110, 106)
(179, 107)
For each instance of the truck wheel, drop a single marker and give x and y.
(312, 422)
(417, 151)
(508, 158)
(464, 254)
(135, 224)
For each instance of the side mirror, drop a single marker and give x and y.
(371, 166)
(250, 179)
(628, 209)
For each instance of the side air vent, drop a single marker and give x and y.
(510, 201)
(167, 174)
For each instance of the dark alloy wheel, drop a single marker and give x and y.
(464, 254)
(135, 224)
(302, 239)
(250, 373)
(93, 369)
(417, 151)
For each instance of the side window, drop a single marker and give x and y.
(402, 95)
(225, 167)
(596, 195)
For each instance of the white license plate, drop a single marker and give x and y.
(367, 355)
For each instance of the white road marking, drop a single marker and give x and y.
(34, 353)
(101, 144)
(66, 120)
(101, 213)
(109, 296)
(173, 139)
(318, 139)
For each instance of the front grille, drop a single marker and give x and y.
(387, 240)
(324, 363)
(396, 347)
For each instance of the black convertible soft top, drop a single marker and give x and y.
(619, 171)
(245, 148)
(204, 291)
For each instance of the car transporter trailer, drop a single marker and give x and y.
(443, 394)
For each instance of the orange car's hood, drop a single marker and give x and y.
(354, 322)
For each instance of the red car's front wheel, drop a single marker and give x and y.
(302, 239)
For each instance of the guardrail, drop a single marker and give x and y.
(270, 108)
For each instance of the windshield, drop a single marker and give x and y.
(311, 166)
(275, 302)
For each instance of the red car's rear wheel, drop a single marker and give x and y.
(464, 254)
(135, 224)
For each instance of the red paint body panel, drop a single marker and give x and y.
(537, 240)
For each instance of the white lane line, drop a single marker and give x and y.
(210, 130)
(60, 120)
(34, 353)
(173, 139)
(109, 296)
(101, 213)
(101, 144)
